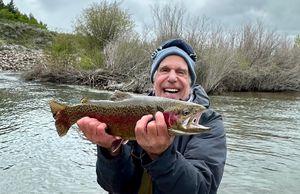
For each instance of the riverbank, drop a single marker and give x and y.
(34, 64)
(19, 58)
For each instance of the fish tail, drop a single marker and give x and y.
(62, 122)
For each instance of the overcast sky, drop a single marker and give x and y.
(281, 15)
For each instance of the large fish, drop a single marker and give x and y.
(123, 110)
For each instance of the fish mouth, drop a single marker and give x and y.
(191, 124)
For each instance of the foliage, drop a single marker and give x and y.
(252, 58)
(297, 41)
(67, 50)
(2, 5)
(11, 12)
(63, 50)
(102, 23)
(99, 25)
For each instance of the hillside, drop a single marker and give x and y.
(12, 32)
(21, 45)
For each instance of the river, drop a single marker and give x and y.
(263, 137)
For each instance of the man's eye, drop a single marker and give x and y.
(181, 73)
(164, 70)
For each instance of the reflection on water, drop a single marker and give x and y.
(262, 133)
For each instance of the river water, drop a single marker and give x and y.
(263, 135)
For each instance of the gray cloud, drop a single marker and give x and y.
(281, 15)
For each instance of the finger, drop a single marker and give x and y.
(101, 137)
(161, 124)
(81, 122)
(101, 130)
(140, 127)
(90, 128)
(142, 123)
(152, 129)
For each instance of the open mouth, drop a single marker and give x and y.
(171, 90)
(193, 123)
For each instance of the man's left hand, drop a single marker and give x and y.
(152, 134)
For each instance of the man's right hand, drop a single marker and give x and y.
(95, 132)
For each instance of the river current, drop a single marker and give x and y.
(263, 139)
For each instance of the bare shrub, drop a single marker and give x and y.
(214, 49)
(252, 58)
(129, 55)
(285, 66)
(168, 21)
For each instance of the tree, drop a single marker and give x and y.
(11, 7)
(2, 5)
(102, 23)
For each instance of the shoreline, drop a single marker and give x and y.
(19, 58)
(32, 65)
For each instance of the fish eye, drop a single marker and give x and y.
(185, 112)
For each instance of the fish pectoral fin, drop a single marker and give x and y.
(197, 130)
(119, 96)
(117, 144)
(174, 132)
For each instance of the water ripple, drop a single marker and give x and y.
(263, 140)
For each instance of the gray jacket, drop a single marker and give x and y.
(192, 164)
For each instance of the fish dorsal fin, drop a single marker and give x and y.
(119, 96)
(84, 100)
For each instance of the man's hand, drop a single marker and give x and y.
(95, 132)
(152, 135)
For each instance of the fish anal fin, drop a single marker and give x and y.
(62, 127)
(119, 96)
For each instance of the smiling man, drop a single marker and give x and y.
(157, 162)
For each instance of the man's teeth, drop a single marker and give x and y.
(171, 90)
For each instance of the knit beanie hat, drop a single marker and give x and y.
(175, 47)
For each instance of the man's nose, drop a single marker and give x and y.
(172, 76)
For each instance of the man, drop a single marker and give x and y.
(157, 162)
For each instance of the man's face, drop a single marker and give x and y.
(172, 78)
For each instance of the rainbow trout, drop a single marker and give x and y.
(123, 110)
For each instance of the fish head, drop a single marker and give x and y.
(184, 118)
